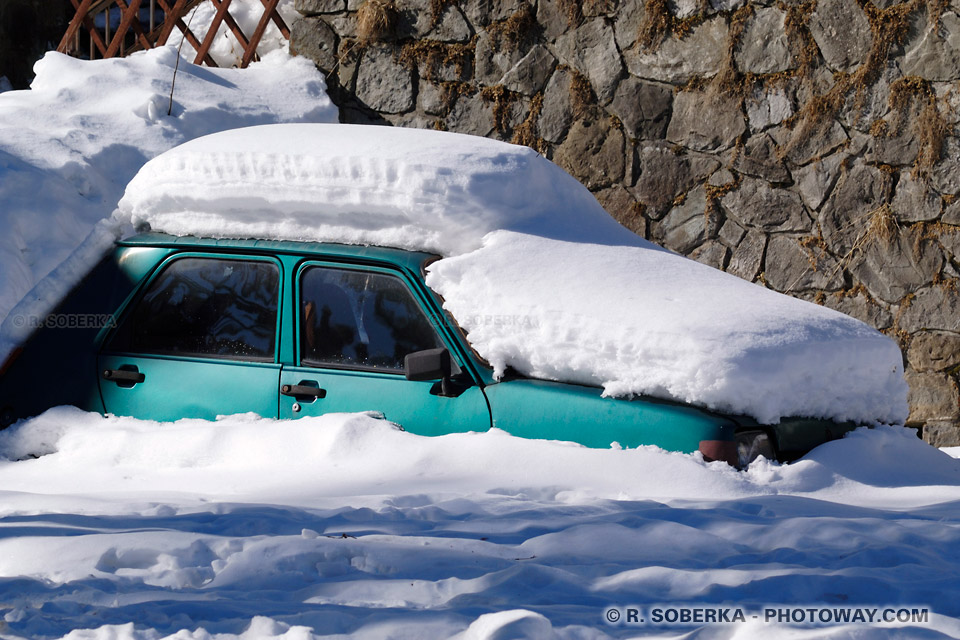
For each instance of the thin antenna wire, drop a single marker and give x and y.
(176, 66)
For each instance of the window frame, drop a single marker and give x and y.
(134, 300)
(424, 305)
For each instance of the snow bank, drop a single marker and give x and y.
(538, 273)
(639, 320)
(344, 526)
(70, 144)
(415, 189)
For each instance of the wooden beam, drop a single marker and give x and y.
(278, 20)
(251, 51)
(233, 26)
(129, 11)
(74, 25)
(204, 49)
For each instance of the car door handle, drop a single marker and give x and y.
(122, 375)
(302, 390)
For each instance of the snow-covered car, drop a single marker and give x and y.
(451, 284)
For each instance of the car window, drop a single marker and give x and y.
(360, 319)
(206, 307)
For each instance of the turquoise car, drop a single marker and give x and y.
(180, 327)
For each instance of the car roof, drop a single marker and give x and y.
(412, 260)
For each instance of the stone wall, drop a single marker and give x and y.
(806, 146)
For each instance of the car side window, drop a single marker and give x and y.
(206, 307)
(360, 319)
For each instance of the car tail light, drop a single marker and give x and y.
(719, 451)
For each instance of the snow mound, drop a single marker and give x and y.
(640, 320)
(413, 189)
(342, 526)
(70, 144)
(537, 272)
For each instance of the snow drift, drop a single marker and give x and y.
(538, 273)
(344, 526)
(70, 144)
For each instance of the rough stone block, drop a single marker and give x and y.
(934, 53)
(383, 84)
(932, 396)
(808, 144)
(766, 108)
(842, 33)
(665, 174)
(705, 122)
(790, 267)
(593, 153)
(862, 308)
(556, 115)
(858, 192)
(675, 60)
(755, 204)
(313, 38)
(747, 258)
(815, 181)
(643, 108)
(933, 308)
(627, 21)
(685, 225)
(914, 201)
(623, 207)
(764, 47)
(316, 7)
(934, 351)
(711, 253)
(759, 159)
(472, 115)
(530, 74)
(592, 50)
(452, 27)
(942, 433)
(892, 269)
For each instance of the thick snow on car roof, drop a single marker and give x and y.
(537, 272)
(408, 188)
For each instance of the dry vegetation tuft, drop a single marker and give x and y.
(526, 131)
(882, 226)
(516, 32)
(658, 23)
(430, 55)
(376, 21)
(502, 99)
(581, 93)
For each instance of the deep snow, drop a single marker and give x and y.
(345, 525)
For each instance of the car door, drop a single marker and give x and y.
(355, 325)
(200, 340)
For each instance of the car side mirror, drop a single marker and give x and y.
(431, 364)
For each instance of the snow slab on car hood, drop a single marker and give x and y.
(543, 279)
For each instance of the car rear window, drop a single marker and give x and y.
(206, 307)
(360, 319)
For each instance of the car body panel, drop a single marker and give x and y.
(416, 406)
(65, 367)
(559, 411)
(178, 387)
